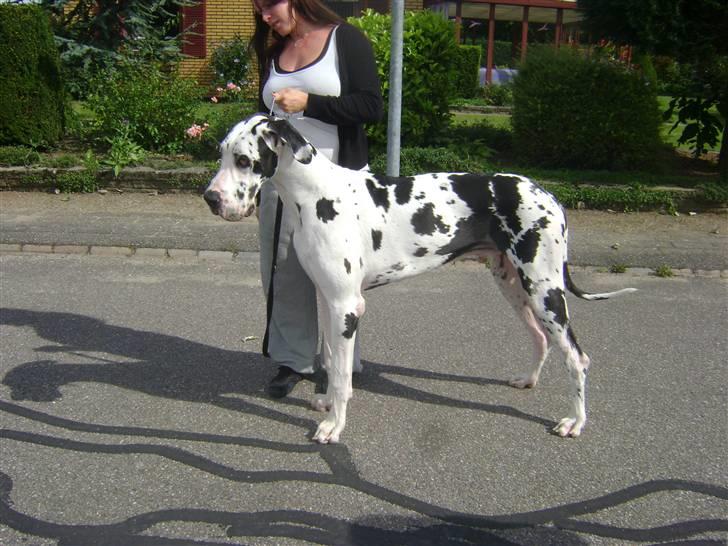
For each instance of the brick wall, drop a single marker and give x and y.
(225, 19)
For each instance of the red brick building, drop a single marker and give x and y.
(214, 21)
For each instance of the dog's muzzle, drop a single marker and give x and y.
(213, 200)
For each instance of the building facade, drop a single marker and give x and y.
(212, 22)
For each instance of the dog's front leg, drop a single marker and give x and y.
(321, 402)
(339, 336)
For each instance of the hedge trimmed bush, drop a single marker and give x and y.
(31, 93)
(428, 73)
(573, 111)
(467, 64)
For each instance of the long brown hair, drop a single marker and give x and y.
(267, 44)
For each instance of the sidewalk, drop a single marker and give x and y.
(181, 224)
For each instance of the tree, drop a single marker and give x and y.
(693, 32)
(94, 34)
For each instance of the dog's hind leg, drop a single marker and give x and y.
(509, 282)
(550, 309)
(341, 322)
(577, 363)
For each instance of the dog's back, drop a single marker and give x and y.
(409, 225)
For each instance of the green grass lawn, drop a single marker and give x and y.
(496, 120)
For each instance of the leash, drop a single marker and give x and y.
(274, 262)
(271, 289)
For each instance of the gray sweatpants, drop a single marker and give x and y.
(293, 327)
(293, 333)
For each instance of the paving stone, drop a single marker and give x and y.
(38, 248)
(111, 251)
(151, 252)
(71, 249)
(10, 247)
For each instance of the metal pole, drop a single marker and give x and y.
(394, 121)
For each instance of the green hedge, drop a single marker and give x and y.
(31, 93)
(573, 111)
(467, 63)
(428, 73)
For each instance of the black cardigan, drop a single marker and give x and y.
(360, 101)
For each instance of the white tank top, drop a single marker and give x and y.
(321, 77)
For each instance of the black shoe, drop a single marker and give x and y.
(284, 381)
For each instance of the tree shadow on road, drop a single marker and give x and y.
(168, 366)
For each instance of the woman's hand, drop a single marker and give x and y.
(291, 100)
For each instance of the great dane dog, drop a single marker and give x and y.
(356, 230)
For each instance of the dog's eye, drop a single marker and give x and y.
(242, 161)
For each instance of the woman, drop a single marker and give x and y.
(319, 73)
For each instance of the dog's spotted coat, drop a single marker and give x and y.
(357, 230)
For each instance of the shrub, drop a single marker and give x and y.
(62, 161)
(498, 95)
(631, 199)
(425, 160)
(151, 106)
(427, 87)
(476, 141)
(573, 111)
(84, 180)
(230, 61)
(31, 94)
(203, 139)
(466, 63)
(123, 151)
(15, 156)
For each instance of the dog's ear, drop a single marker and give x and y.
(302, 149)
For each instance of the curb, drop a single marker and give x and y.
(128, 252)
(221, 256)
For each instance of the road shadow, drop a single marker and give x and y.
(172, 367)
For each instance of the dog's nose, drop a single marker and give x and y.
(212, 198)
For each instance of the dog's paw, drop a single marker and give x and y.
(327, 432)
(569, 427)
(523, 382)
(321, 402)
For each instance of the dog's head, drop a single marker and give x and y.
(251, 154)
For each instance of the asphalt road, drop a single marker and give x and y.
(133, 412)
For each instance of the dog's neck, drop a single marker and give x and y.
(296, 182)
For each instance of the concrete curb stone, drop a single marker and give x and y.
(227, 256)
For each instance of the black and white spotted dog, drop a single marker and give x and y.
(357, 230)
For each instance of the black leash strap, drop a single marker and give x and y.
(269, 302)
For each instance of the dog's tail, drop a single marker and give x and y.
(587, 296)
